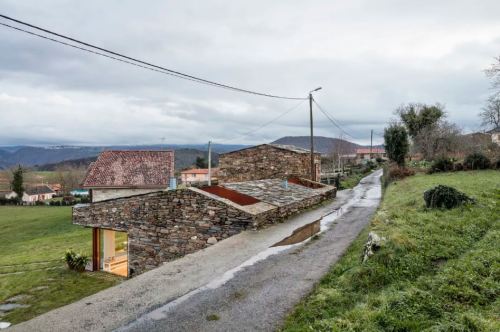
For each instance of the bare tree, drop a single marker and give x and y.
(69, 177)
(494, 74)
(491, 112)
(440, 139)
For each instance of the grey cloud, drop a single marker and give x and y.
(368, 58)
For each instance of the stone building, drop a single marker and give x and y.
(157, 227)
(125, 173)
(267, 161)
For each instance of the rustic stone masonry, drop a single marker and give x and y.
(165, 225)
(162, 226)
(266, 161)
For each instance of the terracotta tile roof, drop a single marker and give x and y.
(130, 169)
(367, 150)
(39, 190)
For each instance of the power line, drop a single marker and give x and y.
(248, 133)
(116, 54)
(94, 52)
(333, 121)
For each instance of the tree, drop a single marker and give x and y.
(69, 177)
(494, 74)
(396, 143)
(201, 162)
(491, 112)
(17, 182)
(419, 116)
(438, 140)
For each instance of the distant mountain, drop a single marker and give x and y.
(321, 144)
(31, 156)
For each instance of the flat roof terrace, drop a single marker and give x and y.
(274, 191)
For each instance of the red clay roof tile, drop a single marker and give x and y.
(130, 169)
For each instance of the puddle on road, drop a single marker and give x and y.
(300, 234)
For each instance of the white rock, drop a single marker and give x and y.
(194, 237)
(374, 242)
(212, 240)
(4, 325)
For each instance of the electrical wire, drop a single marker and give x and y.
(116, 54)
(248, 133)
(333, 121)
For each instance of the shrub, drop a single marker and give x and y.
(75, 261)
(442, 164)
(445, 197)
(477, 160)
(396, 143)
(394, 172)
(458, 167)
(39, 203)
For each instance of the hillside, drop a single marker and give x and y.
(31, 156)
(321, 144)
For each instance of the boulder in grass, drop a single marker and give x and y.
(445, 197)
(373, 244)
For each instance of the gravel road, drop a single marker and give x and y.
(258, 296)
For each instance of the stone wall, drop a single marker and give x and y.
(265, 162)
(162, 226)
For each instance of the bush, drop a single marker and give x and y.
(458, 167)
(394, 172)
(40, 203)
(76, 262)
(85, 199)
(442, 164)
(9, 201)
(477, 160)
(445, 197)
(396, 143)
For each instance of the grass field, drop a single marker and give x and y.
(436, 271)
(32, 243)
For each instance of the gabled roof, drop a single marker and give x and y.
(39, 190)
(291, 148)
(367, 150)
(130, 169)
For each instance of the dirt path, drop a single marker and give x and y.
(258, 295)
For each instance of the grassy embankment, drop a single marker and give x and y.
(437, 271)
(32, 243)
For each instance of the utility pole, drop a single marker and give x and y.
(313, 170)
(371, 144)
(209, 163)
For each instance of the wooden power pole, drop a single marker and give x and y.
(209, 163)
(371, 144)
(313, 171)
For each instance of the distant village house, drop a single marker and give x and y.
(35, 194)
(198, 175)
(365, 154)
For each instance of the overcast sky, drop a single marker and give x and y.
(369, 57)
